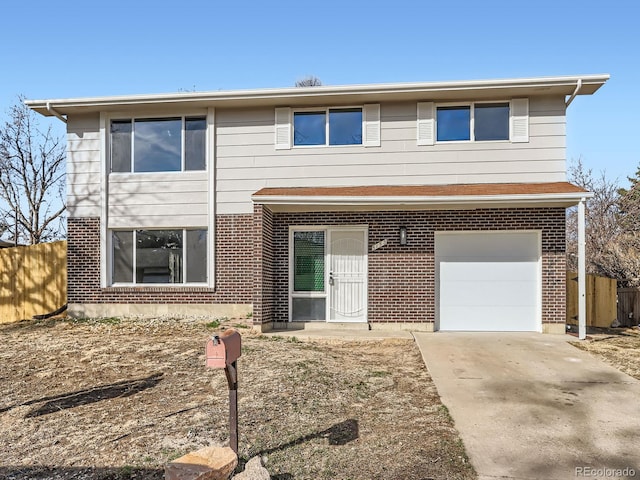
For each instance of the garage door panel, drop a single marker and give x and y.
(495, 294)
(488, 281)
(521, 245)
(478, 271)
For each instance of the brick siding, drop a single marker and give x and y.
(233, 259)
(252, 260)
(263, 278)
(401, 279)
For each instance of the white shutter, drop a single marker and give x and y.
(371, 125)
(283, 128)
(426, 123)
(520, 120)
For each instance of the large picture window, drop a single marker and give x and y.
(332, 126)
(472, 122)
(159, 256)
(158, 144)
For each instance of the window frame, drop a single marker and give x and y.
(472, 132)
(327, 131)
(309, 293)
(134, 283)
(117, 117)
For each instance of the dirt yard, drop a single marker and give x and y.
(618, 347)
(112, 399)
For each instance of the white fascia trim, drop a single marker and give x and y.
(419, 200)
(295, 92)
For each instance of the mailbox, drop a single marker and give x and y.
(222, 350)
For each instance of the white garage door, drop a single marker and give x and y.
(488, 281)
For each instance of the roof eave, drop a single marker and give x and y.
(563, 199)
(540, 85)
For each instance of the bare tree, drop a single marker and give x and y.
(630, 204)
(628, 248)
(309, 81)
(32, 178)
(611, 249)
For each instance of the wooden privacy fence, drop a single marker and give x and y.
(629, 306)
(33, 280)
(601, 300)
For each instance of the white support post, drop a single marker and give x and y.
(582, 284)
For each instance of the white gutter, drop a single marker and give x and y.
(55, 113)
(288, 94)
(575, 92)
(417, 200)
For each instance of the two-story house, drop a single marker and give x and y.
(431, 206)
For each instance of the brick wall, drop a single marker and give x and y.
(234, 267)
(402, 278)
(263, 287)
(252, 261)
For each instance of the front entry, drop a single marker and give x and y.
(328, 274)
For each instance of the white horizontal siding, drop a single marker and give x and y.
(135, 200)
(90, 142)
(333, 155)
(452, 162)
(83, 165)
(264, 137)
(234, 202)
(158, 200)
(247, 160)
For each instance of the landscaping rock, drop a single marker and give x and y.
(209, 463)
(253, 470)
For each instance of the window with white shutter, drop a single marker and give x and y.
(426, 123)
(283, 128)
(371, 121)
(520, 120)
(485, 121)
(328, 126)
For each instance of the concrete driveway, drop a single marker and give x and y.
(531, 406)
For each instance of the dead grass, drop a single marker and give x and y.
(112, 399)
(618, 347)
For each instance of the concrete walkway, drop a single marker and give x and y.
(531, 406)
(322, 331)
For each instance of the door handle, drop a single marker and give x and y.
(331, 280)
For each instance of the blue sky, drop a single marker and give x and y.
(60, 49)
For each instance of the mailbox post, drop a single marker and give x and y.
(222, 351)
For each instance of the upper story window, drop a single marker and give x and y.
(476, 122)
(327, 126)
(473, 122)
(158, 144)
(333, 126)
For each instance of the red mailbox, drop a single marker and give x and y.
(222, 350)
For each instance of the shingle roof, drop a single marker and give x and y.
(476, 189)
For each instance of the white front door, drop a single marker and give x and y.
(328, 274)
(347, 276)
